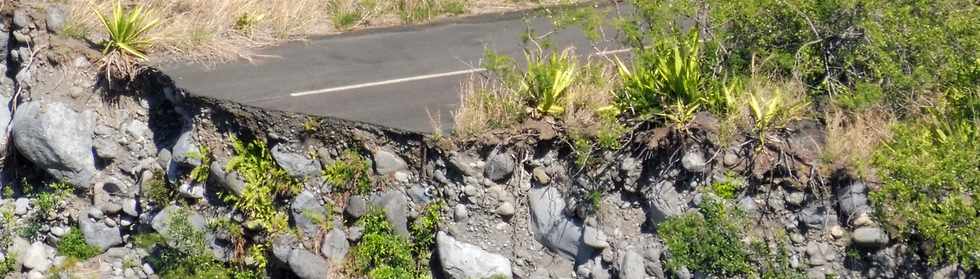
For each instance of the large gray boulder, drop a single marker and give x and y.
(500, 165)
(335, 246)
(665, 201)
(461, 260)
(853, 200)
(96, 232)
(230, 181)
(57, 139)
(631, 266)
(551, 228)
(5, 118)
(395, 206)
(305, 209)
(871, 237)
(297, 165)
(303, 263)
(386, 162)
(185, 146)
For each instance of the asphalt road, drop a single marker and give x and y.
(395, 77)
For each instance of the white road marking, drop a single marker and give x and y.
(610, 52)
(417, 78)
(386, 82)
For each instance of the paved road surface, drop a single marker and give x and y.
(392, 77)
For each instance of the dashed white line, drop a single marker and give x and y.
(422, 77)
(386, 82)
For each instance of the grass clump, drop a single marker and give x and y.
(201, 172)
(128, 42)
(157, 191)
(265, 184)
(352, 173)
(707, 241)
(73, 245)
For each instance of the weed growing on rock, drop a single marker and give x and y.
(189, 256)
(201, 172)
(351, 173)
(8, 264)
(265, 183)
(157, 191)
(382, 254)
(73, 245)
(707, 241)
(729, 188)
(148, 240)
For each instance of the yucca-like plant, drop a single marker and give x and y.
(669, 75)
(547, 80)
(772, 112)
(128, 32)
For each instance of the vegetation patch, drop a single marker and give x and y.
(350, 173)
(707, 241)
(383, 254)
(189, 256)
(73, 245)
(265, 184)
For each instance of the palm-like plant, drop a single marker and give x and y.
(664, 78)
(547, 80)
(773, 111)
(128, 32)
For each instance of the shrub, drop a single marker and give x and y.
(930, 181)
(352, 173)
(189, 256)
(73, 245)
(382, 254)
(707, 241)
(8, 264)
(265, 182)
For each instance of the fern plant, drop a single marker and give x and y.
(547, 80)
(265, 182)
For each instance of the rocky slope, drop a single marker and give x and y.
(507, 206)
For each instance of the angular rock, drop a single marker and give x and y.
(853, 200)
(36, 257)
(335, 246)
(693, 161)
(631, 266)
(595, 238)
(870, 237)
(21, 205)
(395, 206)
(99, 234)
(297, 165)
(5, 117)
(461, 260)
(500, 165)
(387, 162)
(184, 149)
(307, 265)
(664, 202)
(356, 206)
(305, 209)
(57, 139)
(230, 181)
(551, 228)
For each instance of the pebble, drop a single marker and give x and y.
(506, 209)
(460, 213)
(20, 206)
(837, 231)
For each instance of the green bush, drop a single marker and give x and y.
(930, 183)
(201, 172)
(189, 256)
(73, 245)
(707, 241)
(8, 265)
(382, 254)
(265, 183)
(128, 32)
(351, 173)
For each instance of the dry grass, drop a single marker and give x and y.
(852, 139)
(211, 31)
(485, 105)
(587, 97)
